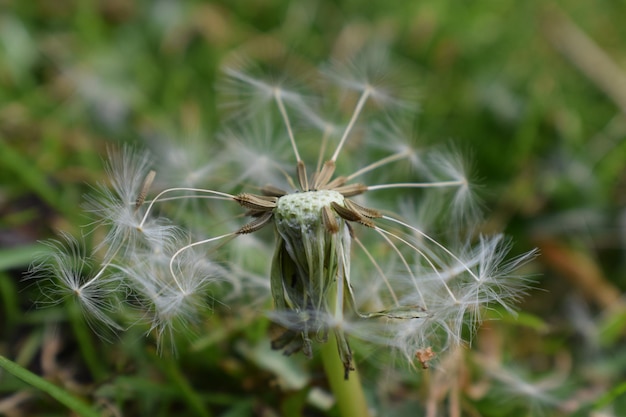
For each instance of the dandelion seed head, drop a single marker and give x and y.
(346, 260)
(303, 209)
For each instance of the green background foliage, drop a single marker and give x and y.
(510, 82)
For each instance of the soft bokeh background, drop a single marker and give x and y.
(535, 91)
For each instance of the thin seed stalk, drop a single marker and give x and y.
(348, 392)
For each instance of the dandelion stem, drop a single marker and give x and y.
(348, 392)
(355, 115)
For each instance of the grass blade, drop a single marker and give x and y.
(59, 394)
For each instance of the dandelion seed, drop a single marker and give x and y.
(119, 210)
(370, 74)
(171, 301)
(141, 198)
(74, 275)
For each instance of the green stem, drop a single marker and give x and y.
(80, 407)
(348, 393)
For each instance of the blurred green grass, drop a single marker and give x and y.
(546, 140)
